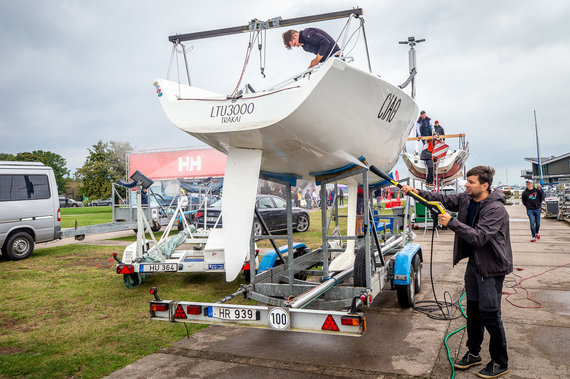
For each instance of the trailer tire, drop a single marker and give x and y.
(359, 267)
(296, 254)
(407, 292)
(155, 227)
(19, 246)
(417, 265)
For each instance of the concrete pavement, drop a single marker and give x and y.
(400, 342)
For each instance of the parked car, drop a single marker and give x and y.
(102, 202)
(273, 210)
(29, 207)
(69, 202)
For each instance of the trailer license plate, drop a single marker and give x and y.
(233, 313)
(211, 219)
(159, 267)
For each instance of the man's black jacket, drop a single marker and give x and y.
(489, 237)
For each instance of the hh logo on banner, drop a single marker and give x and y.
(190, 163)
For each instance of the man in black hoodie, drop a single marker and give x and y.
(532, 200)
(481, 235)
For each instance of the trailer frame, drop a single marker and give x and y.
(394, 263)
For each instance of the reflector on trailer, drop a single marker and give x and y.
(160, 307)
(193, 309)
(179, 313)
(330, 324)
(125, 269)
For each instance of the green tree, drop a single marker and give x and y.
(53, 160)
(7, 157)
(104, 165)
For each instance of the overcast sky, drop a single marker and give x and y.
(75, 72)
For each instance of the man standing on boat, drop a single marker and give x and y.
(532, 200)
(425, 128)
(439, 129)
(482, 235)
(312, 40)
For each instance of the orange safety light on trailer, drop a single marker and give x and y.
(158, 307)
(330, 324)
(179, 313)
(350, 320)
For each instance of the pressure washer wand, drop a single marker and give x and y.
(434, 206)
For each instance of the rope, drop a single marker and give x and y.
(519, 285)
(252, 38)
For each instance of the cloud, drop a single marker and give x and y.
(76, 72)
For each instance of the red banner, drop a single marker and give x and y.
(199, 163)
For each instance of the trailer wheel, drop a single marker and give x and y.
(407, 292)
(359, 267)
(19, 246)
(296, 254)
(417, 265)
(155, 227)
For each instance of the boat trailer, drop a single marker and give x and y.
(298, 291)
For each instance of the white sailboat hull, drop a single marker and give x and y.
(448, 167)
(321, 122)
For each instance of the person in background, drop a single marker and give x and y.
(532, 200)
(437, 128)
(482, 235)
(315, 198)
(308, 199)
(144, 196)
(425, 128)
(312, 40)
(341, 196)
(359, 211)
(378, 196)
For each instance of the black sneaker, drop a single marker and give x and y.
(493, 370)
(467, 361)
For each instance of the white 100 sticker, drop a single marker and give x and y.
(279, 319)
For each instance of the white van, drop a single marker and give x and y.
(29, 207)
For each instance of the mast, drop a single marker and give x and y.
(538, 151)
(412, 42)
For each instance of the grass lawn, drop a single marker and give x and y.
(66, 313)
(85, 216)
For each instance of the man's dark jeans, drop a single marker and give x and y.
(429, 171)
(534, 217)
(484, 312)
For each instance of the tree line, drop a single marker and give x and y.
(105, 164)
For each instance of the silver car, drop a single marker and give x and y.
(29, 207)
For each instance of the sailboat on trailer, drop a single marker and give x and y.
(318, 121)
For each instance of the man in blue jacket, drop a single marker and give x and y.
(481, 235)
(312, 40)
